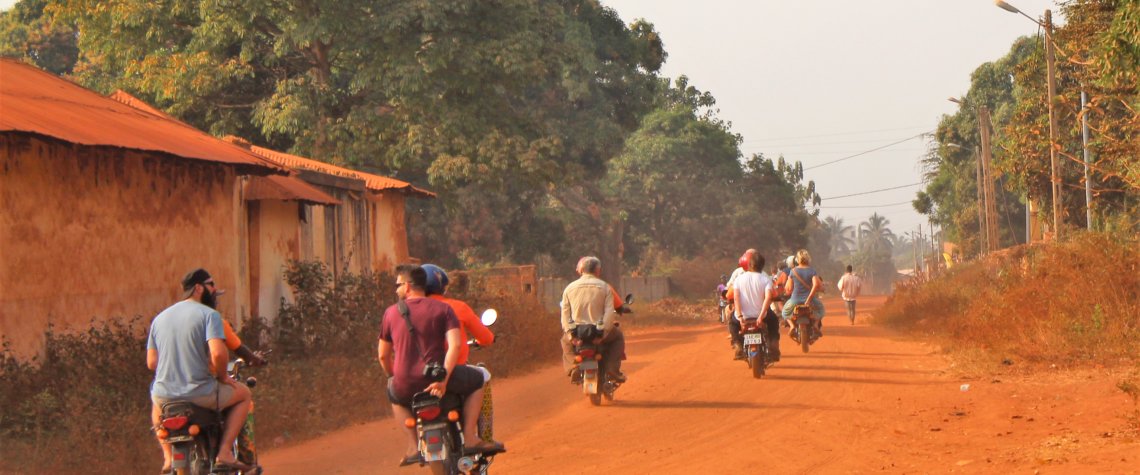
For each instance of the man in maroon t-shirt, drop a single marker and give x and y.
(437, 340)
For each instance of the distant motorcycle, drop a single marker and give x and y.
(194, 434)
(805, 326)
(722, 304)
(755, 346)
(439, 431)
(588, 357)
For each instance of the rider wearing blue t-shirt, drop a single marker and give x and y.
(800, 275)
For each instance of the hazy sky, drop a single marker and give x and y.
(820, 80)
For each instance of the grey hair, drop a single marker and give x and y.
(589, 265)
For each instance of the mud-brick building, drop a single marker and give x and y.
(365, 231)
(104, 207)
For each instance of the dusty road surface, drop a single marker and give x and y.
(864, 400)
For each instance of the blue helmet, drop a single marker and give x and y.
(436, 279)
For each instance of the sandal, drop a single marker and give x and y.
(484, 446)
(412, 459)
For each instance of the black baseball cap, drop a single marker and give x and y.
(194, 277)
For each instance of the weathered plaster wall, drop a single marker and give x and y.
(274, 235)
(389, 232)
(103, 233)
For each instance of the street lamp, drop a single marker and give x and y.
(1052, 91)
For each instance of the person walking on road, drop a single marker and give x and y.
(849, 287)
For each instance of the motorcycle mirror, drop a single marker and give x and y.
(628, 299)
(489, 317)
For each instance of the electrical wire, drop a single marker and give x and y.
(867, 206)
(869, 151)
(778, 139)
(872, 191)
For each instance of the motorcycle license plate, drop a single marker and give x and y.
(588, 365)
(753, 339)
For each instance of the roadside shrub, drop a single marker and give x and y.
(86, 397)
(1071, 302)
(331, 314)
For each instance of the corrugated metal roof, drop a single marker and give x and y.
(37, 102)
(286, 188)
(371, 182)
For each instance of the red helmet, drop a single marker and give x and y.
(744, 258)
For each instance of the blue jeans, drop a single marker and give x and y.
(816, 307)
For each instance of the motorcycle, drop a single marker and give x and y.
(755, 346)
(722, 304)
(439, 430)
(805, 327)
(194, 434)
(596, 384)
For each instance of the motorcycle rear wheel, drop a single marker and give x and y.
(199, 463)
(757, 363)
(804, 331)
(596, 399)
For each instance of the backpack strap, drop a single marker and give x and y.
(406, 312)
(801, 280)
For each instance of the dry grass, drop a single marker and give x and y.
(1071, 304)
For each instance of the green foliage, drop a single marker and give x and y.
(1098, 51)
(26, 33)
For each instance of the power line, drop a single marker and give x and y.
(835, 152)
(777, 139)
(869, 151)
(868, 206)
(872, 191)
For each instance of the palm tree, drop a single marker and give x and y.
(875, 235)
(837, 236)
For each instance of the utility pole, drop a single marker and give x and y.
(987, 175)
(1054, 166)
(983, 233)
(1085, 147)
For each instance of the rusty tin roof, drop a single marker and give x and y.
(372, 182)
(37, 102)
(286, 188)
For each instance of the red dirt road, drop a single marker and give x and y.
(863, 400)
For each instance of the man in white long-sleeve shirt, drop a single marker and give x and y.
(849, 287)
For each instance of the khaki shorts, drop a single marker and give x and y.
(214, 400)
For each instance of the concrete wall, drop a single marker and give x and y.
(274, 240)
(389, 236)
(95, 233)
(277, 235)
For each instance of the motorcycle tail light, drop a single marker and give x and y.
(194, 429)
(586, 353)
(433, 440)
(409, 423)
(175, 423)
(453, 416)
(179, 456)
(428, 413)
